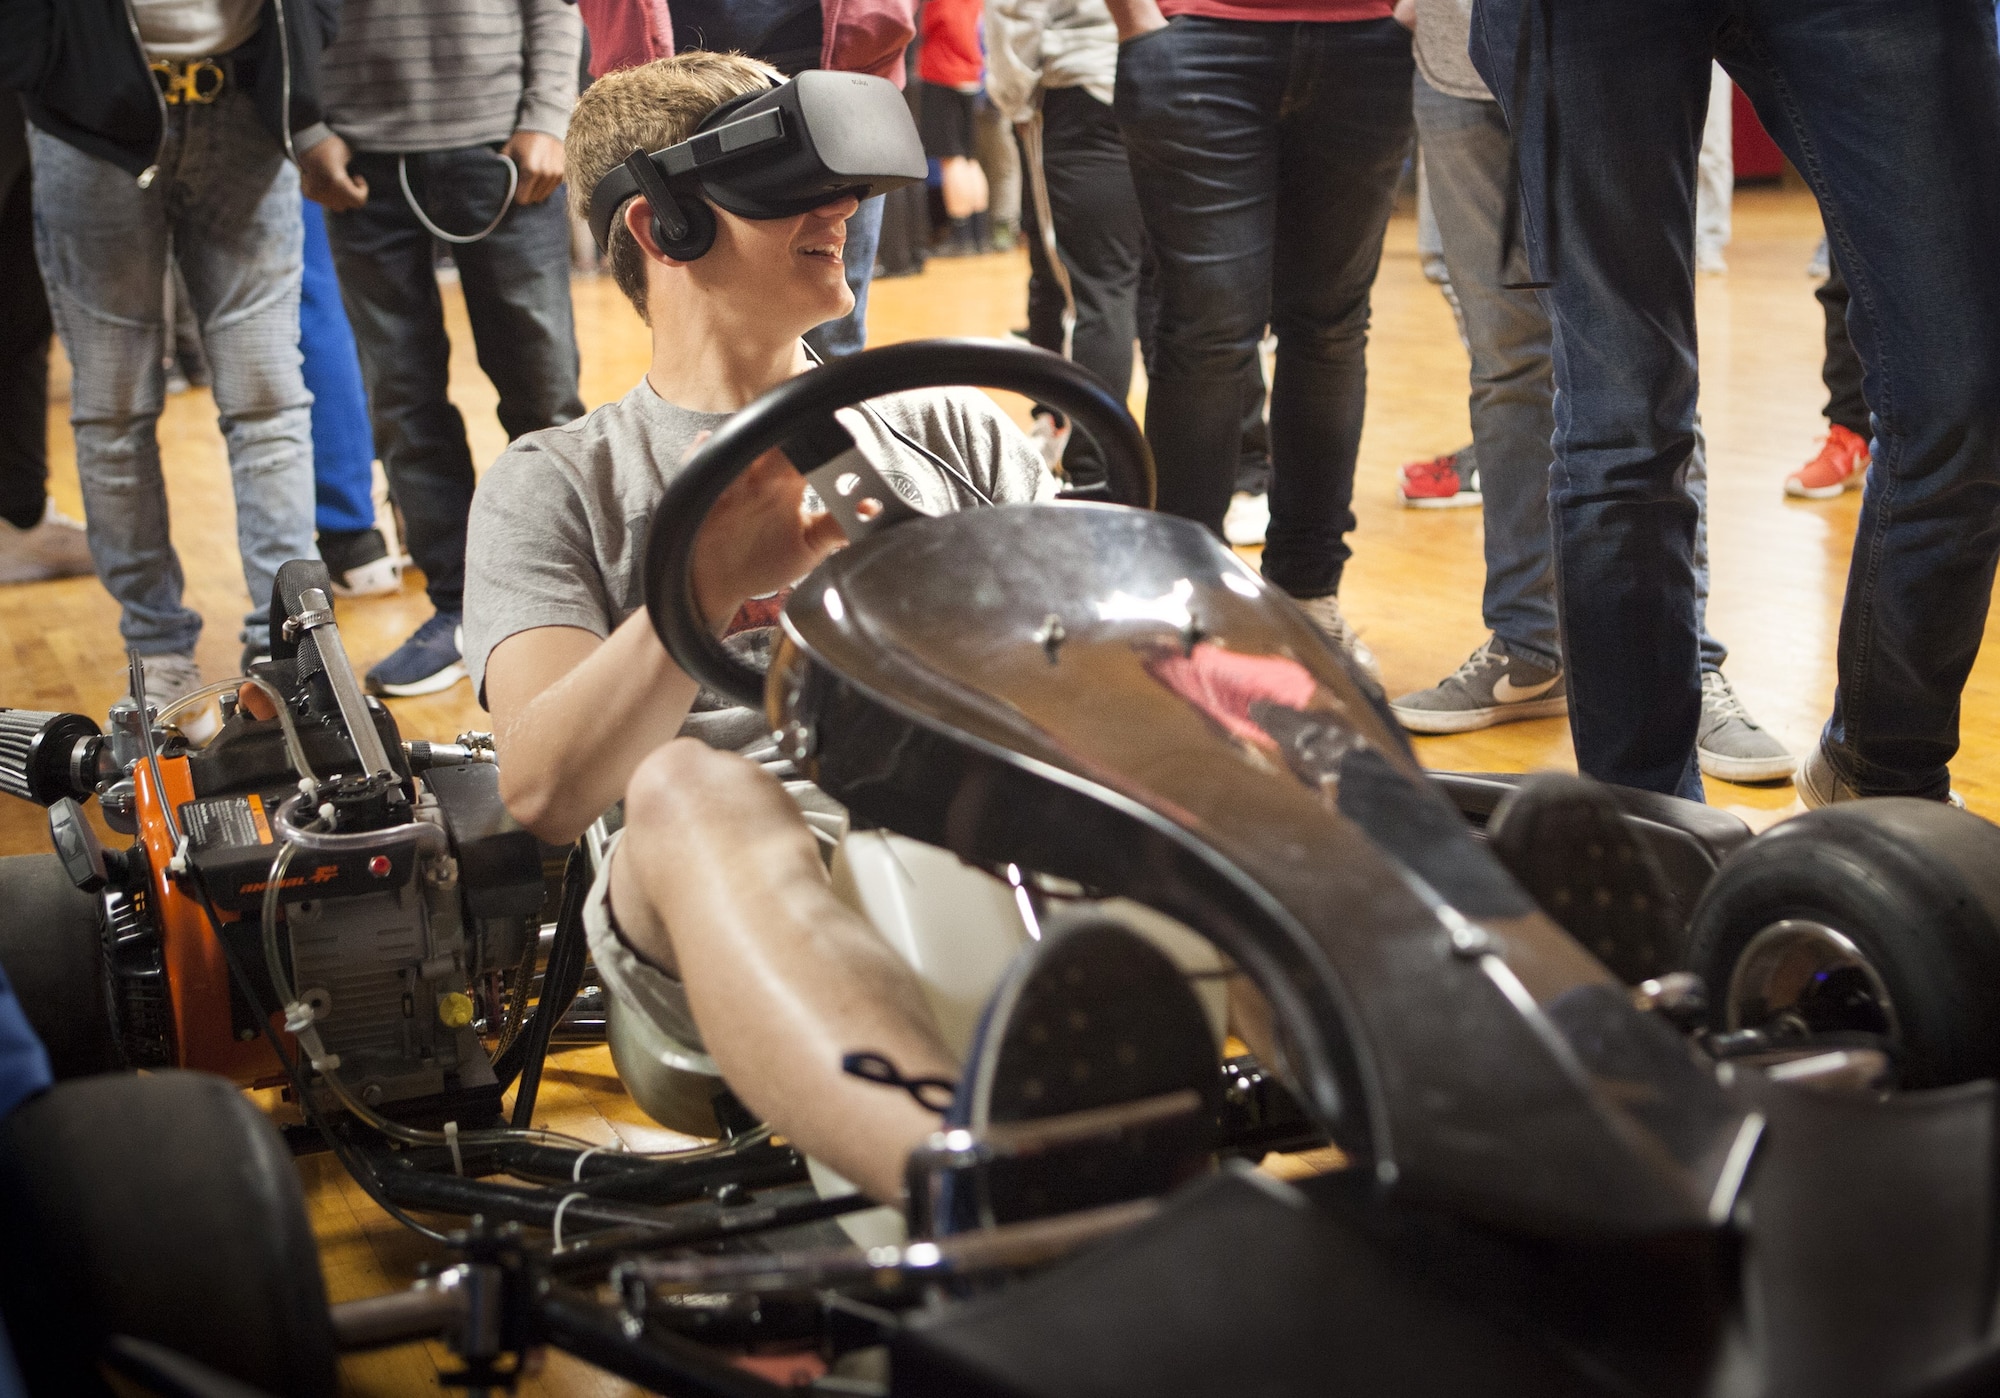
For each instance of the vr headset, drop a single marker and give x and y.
(804, 143)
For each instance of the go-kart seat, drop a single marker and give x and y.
(1688, 839)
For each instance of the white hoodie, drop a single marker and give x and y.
(1033, 44)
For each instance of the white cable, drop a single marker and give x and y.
(567, 1200)
(460, 239)
(576, 1170)
(451, 1139)
(1045, 221)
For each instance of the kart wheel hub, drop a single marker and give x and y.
(1805, 978)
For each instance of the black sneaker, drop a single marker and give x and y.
(425, 664)
(1092, 1016)
(360, 563)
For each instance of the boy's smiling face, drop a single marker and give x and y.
(788, 270)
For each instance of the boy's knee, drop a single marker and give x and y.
(682, 781)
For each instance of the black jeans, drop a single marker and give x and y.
(25, 329)
(1265, 156)
(516, 284)
(1888, 108)
(1102, 242)
(1841, 371)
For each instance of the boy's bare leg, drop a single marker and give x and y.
(782, 977)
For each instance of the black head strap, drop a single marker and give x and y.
(716, 140)
(673, 224)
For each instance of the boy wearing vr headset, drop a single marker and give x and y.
(781, 978)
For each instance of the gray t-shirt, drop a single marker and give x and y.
(559, 523)
(1444, 28)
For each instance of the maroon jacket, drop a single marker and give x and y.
(862, 36)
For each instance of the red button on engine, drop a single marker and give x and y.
(379, 866)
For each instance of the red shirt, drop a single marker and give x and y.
(860, 36)
(1281, 11)
(951, 55)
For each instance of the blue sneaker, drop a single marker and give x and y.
(426, 663)
(1091, 1017)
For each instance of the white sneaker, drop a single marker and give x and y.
(1248, 520)
(54, 547)
(1326, 615)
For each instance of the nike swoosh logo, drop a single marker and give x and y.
(1507, 692)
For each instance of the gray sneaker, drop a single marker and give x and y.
(1490, 687)
(1326, 615)
(168, 677)
(1818, 784)
(53, 547)
(1730, 744)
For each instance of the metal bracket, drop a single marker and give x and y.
(847, 481)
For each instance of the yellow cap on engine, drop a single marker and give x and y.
(455, 1009)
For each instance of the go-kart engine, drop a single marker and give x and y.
(407, 902)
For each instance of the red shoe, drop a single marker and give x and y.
(1436, 484)
(1841, 465)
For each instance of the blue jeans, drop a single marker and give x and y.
(516, 285)
(343, 443)
(849, 334)
(225, 204)
(1513, 383)
(1265, 156)
(1891, 109)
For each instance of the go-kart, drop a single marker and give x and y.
(1728, 1129)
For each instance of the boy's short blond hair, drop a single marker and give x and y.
(645, 108)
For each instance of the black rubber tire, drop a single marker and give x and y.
(52, 949)
(1914, 885)
(164, 1207)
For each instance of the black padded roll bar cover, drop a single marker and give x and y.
(293, 581)
(854, 134)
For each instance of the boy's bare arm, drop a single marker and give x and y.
(575, 715)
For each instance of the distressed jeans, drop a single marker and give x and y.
(1891, 110)
(225, 204)
(1513, 384)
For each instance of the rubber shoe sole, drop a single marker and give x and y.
(1464, 500)
(1800, 491)
(1745, 769)
(376, 579)
(1432, 722)
(430, 684)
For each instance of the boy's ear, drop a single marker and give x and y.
(639, 223)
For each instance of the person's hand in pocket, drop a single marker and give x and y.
(1136, 17)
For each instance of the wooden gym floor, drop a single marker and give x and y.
(1412, 590)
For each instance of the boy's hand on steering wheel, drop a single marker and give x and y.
(759, 537)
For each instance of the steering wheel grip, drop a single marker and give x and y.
(793, 406)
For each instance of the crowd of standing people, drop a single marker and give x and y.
(1211, 179)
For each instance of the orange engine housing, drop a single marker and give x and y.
(197, 970)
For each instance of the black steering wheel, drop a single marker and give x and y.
(796, 406)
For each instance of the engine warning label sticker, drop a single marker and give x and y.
(226, 821)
